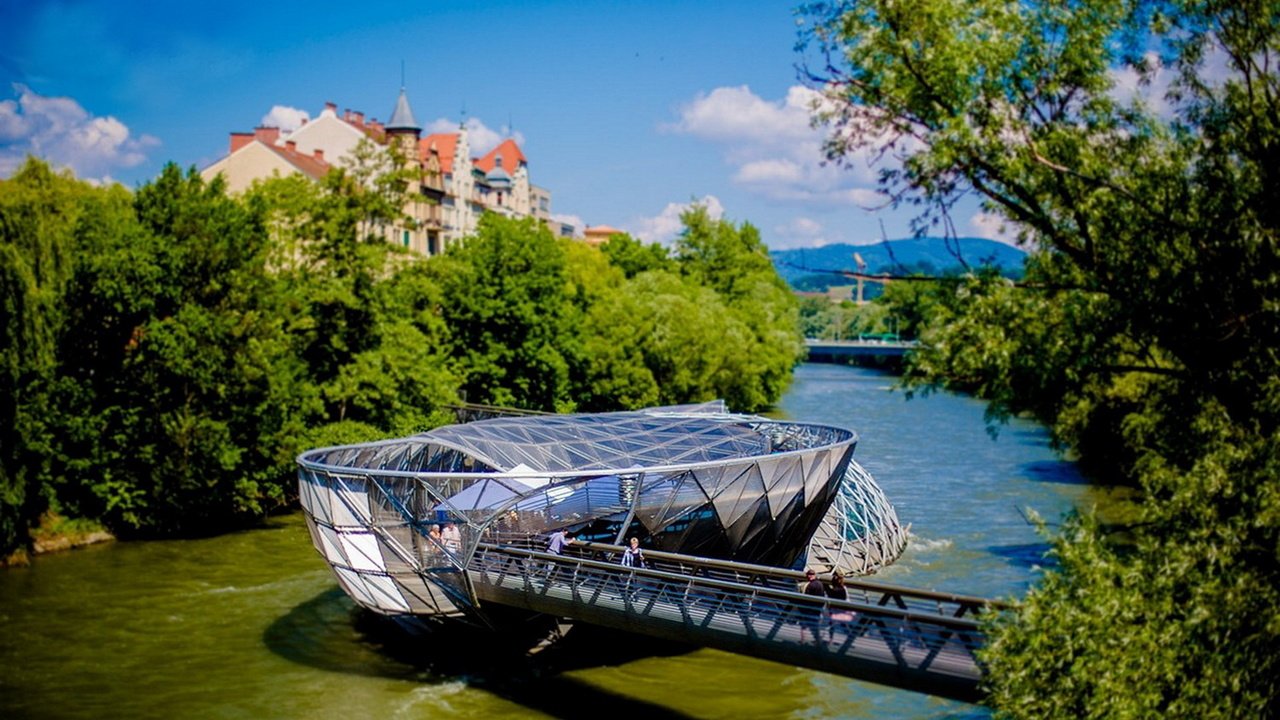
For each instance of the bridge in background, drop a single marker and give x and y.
(863, 347)
(913, 639)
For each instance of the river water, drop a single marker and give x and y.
(251, 625)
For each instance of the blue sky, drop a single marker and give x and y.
(626, 111)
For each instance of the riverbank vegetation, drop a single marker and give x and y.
(169, 351)
(1134, 146)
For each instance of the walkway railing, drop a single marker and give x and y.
(919, 640)
(860, 347)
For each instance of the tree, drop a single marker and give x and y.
(47, 223)
(173, 388)
(734, 261)
(633, 256)
(1152, 313)
(509, 303)
(362, 314)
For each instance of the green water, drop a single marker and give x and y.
(251, 625)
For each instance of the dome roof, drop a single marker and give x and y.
(498, 177)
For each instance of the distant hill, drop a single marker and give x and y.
(922, 255)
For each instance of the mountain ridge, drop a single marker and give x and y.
(928, 255)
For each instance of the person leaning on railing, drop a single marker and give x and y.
(633, 556)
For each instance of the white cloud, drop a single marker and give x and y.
(286, 118)
(993, 227)
(64, 134)
(800, 232)
(770, 171)
(1152, 89)
(775, 151)
(573, 220)
(663, 227)
(736, 113)
(805, 226)
(480, 137)
(1131, 86)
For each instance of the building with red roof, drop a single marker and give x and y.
(451, 191)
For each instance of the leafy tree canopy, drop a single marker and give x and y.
(1149, 333)
(168, 352)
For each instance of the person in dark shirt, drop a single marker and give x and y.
(837, 591)
(840, 618)
(811, 617)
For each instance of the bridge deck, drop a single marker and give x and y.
(917, 640)
(859, 348)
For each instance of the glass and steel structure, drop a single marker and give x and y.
(399, 520)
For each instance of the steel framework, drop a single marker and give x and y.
(692, 480)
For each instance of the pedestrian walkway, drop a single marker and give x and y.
(913, 639)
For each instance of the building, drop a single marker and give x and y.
(261, 154)
(599, 234)
(450, 190)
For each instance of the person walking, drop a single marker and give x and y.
(556, 545)
(437, 540)
(840, 618)
(837, 591)
(559, 539)
(811, 617)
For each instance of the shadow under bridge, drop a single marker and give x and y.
(913, 639)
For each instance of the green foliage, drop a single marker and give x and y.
(666, 341)
(846, 320)
(362, 316)
(507, 300)
(557, 325)
(168, 361)
(734, 261)
(44, 225)
(1148, 331)
(633, 256)
(169, 352)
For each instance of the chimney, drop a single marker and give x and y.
(266, 135)
(319, 154)
(240, 139)
(359, 116)
(291, 146)
(331, 107)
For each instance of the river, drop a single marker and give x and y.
(251, 625)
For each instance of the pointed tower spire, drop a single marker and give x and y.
(402, 117)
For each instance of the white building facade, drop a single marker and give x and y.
(452, 189)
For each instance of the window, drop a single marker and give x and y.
(406, 238)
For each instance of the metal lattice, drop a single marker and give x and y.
(691, 480)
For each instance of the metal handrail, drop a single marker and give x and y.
(922, 650)
(791, 597)
(795, 576)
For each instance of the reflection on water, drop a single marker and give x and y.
(251, 625)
